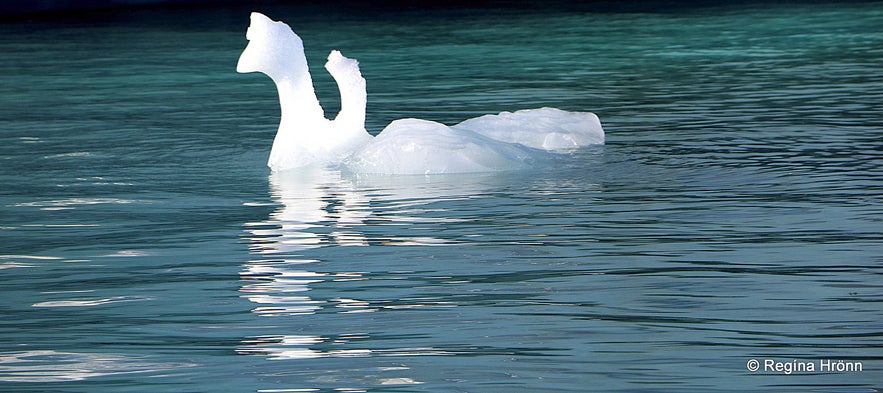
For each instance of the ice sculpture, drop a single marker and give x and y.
(305, 136)
(509, 140)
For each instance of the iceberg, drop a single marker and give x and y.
(416, 146)
(305, 136)
(504, 141)
(545, 128)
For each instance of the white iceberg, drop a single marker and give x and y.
(506, 141)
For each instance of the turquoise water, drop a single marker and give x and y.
(734, 213)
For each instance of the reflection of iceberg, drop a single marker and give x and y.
(312, 199)
(328, 305)
(320, 208)
(309, 347)
(407, 146)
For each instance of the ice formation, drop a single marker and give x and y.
(305, 136)
(416, 146)
(506, 141)
(545, 128)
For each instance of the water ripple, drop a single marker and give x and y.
(51, 366)
(90, 302)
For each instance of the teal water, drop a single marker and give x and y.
(734, 213)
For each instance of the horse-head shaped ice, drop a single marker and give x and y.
(273, 48)
(305, 136)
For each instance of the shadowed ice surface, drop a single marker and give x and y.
(733, 214)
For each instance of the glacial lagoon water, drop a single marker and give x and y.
(733, 215)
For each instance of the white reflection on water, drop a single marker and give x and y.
(306, 205)
(91, 302)
(309, 347)
(321, 208)
(53, 366)
(70, 203)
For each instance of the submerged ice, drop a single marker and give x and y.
(505, 141)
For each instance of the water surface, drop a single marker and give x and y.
(734, 213)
